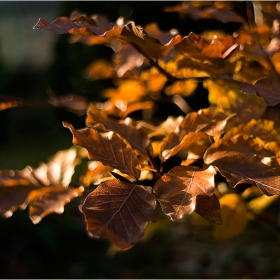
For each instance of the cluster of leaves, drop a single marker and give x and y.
(238, 136)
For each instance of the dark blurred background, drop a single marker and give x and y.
(31, 63)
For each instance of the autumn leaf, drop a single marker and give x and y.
(227, 98)
(222, 14)
(149, 46)
(267, 88)
(177, 191)
(52, 201)
(20, 188)
(70, 102)
(119, 211)
(194, 126)
(107, 147)
(128, 129)
(100, 69)
(234, 217)
(239, 167)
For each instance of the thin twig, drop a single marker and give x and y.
(170, 77)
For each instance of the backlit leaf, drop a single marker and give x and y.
(119, 211)
(178, 189)
(52, 201)
(240, 168)
(107, 147)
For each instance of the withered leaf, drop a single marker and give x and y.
(267, 88)
(19, 188)
(178, 189)
(151, 47)
(196, 125)
(208, 207)
(71, 102)
(128, 129)
(107, 147)
(119, 211)
(52, 201)
(222, 14)
(238, 167)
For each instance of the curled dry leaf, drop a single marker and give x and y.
(107, 147)
(127, 129)
(267, 88)
(119, 211)
(238, 167)
(194, 126)
(70, 102)
(52, 201)
(177, 191)
(19, 188)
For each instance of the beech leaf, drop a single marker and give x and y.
(119, 211)
(52, 201)
(267, 88)
(107, 147)
(242, 167)
(178, 189)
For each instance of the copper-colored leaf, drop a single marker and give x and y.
(208, 207)
(17, 197)
(119, 211)
(242, 167)
(172, 144)
(129, 130)
(52, 201)
(178, 189)
(73, 103)
(222, 14)
(19, 188)
(151, 47)
(267, 88)
(107, 147)
(196, 125)
(100, 69)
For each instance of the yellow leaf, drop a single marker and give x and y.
(257, 205)
(234, 217)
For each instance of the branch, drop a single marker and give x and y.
(170, 77)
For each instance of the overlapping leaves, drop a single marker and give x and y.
(46, 189)
(232, 136)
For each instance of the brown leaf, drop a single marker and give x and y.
(267, 88)
(52, 201)
(172, 144)
(17, 197)
(19, 188)
(194, 126)
(70, 102)
(222, 14)
(107, 147)
(243, 167)
(208, 207)
(151, 47)
(119, 212)
(128, 129)
(178, 189)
